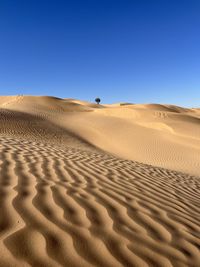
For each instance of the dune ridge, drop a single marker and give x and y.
(92, 185)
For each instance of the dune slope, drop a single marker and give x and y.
(76, 189)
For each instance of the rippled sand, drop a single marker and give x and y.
(106, 185)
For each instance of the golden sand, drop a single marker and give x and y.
(83, 184)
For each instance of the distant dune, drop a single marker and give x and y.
(98, 185)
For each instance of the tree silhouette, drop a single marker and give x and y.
(98, 100)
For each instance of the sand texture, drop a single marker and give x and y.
(83, 184)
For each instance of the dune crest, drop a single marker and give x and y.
(98, 185)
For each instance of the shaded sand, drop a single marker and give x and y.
(106, 185)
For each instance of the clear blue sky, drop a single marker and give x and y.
(120, 50)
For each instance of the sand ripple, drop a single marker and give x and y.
(71, 207)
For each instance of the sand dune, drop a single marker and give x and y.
(98, 185)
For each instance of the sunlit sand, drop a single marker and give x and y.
(86, 184)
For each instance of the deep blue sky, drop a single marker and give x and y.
(135, 51)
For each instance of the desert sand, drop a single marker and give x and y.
(83, 184)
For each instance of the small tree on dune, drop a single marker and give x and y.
(97, 100)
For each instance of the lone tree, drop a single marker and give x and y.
(98, 100)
